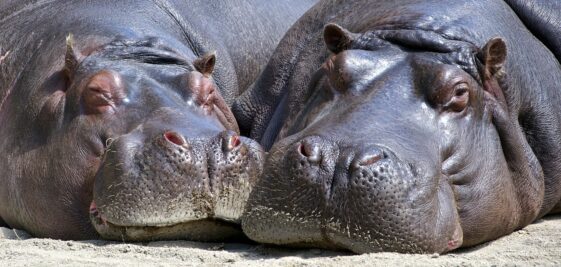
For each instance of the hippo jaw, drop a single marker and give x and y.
(202, 230)
(318, 192)
(171, 187)
(160, 201)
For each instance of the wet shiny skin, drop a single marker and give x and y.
(398, 138)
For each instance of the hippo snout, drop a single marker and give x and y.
(230, 140)
(358, 197)
(166, 185)
(314, 154)
(312, 148)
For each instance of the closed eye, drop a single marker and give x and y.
(460, 98)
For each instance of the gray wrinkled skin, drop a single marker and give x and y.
(194, 189)
(323, 198)
(115, 117)
(404, 126)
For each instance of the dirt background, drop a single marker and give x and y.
(538, 244)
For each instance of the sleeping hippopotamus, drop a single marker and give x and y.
(115, 116)
(406, 126)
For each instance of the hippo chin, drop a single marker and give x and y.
(419, 129)
(201, 182)
(124, 135)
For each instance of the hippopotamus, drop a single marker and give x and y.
(115, 118)
(406, 126)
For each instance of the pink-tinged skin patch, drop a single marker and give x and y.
(174, 138)
(234, 142)
(457, 239)
(95, 213)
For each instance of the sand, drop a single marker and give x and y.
(537, 244)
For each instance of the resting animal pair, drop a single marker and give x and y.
(402, 126)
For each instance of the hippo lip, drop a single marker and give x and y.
(327, 222)
(201, 196)
(208, 229)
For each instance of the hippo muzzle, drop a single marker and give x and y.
(157, 183)
(362, 198)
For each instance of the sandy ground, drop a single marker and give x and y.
(537, 244)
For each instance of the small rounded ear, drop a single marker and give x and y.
(493, 56)
(205, 63)
(337, 38)
(72, 58)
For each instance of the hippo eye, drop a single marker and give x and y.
(459, 99)
(97, 100)
(99, 95)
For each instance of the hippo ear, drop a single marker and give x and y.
(493, 57)
(205, 63)
(337, 38)
(72, 58)
(206, 94)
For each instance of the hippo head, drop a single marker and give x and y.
(405, 144)
(166, 158)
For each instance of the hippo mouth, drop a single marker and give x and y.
(169, 187)
(316, 192)
(206, 230)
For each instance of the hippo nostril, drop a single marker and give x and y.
(174, 138)
(310, 151)
(302, 151)
(230, 141)
(234, 142)
(369, 158)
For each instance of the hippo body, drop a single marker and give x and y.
(406, 126)
(114, 115)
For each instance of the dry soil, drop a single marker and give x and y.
(538, 244)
